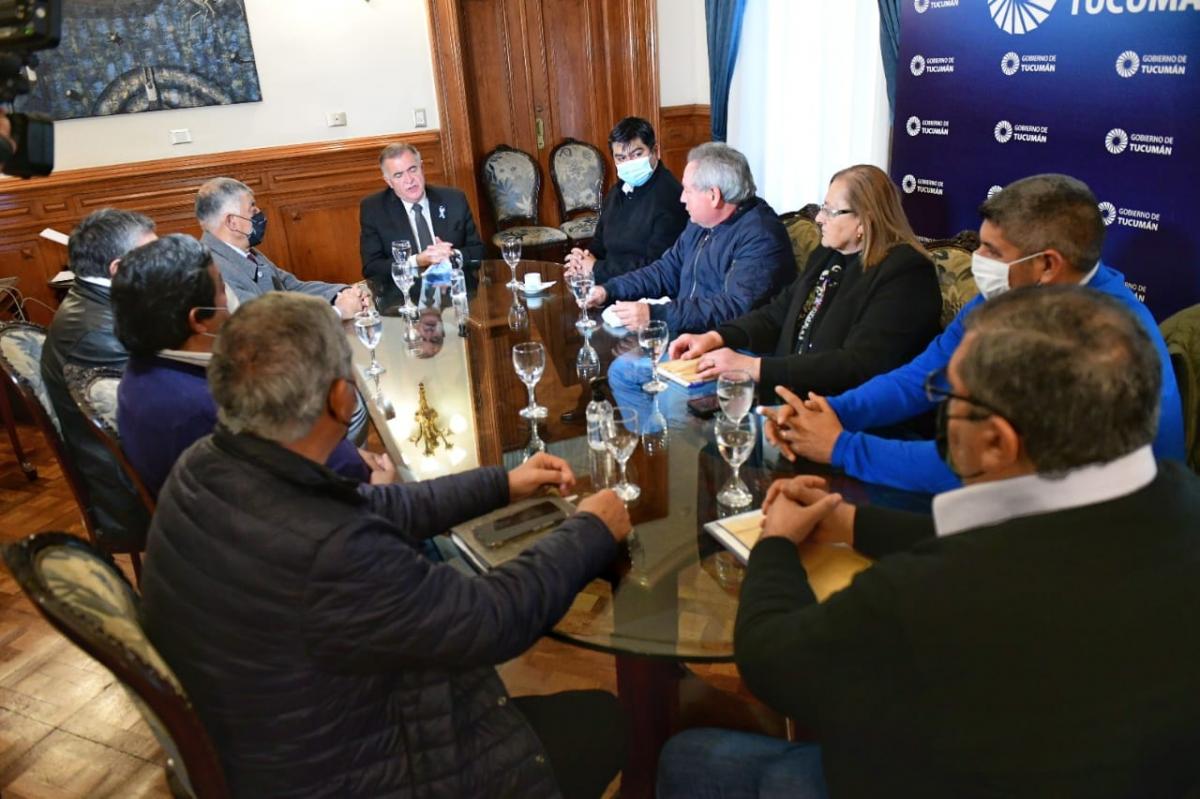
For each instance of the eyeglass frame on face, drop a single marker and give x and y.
(935, 393)
(833, 213)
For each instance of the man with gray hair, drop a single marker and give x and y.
(233, 227)
(435, 220)
(733, 255)
(325, 654)
(82, 334)
(1035, 636)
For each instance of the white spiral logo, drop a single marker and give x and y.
(1108, 213)
(1128, 64)
(909, 184)
(1020, 16)
(921, 6)
(913, 126)
(1116, 140)
(993, 191)
(1011, 63)
(1003, 131)
(917, 65)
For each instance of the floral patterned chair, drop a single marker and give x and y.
(86, 598)
(952, 258)
(21, 343)
(513, 184)
(804, 233)
(577, 171)
(20, 364)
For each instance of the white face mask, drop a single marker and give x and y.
(991, 276)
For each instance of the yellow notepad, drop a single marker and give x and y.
(685, 373)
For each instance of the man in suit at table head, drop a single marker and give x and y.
(1036, 635)
(233, 227)
(435, 220)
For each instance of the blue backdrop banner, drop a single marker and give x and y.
(1105, 90)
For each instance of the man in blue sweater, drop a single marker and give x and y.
(733, 255)
(1040, 230)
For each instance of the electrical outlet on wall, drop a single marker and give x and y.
(419, 117)
(336, 119)
(181, 136)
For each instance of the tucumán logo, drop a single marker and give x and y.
(924, 5)
(1006, 131)
(1021, 16)
(909, 184)
(1132, 6)
(1108, 213)
(1117, 141)
(917, 65)
(929, 127)
(921, 6)
(920, 64)
(994, 190)
(1128, 63)
(1129, 217)
(1014, 62)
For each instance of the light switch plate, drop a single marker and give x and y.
(181, 136)
(336, 119)
(419, 118)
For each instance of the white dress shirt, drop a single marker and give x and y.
(985, 504)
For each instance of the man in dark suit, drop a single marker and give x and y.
(1036, 637)
(435, 220)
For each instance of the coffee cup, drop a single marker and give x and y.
(533, 281)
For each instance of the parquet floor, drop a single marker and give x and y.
(67, 728)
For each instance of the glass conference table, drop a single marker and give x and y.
(672, 597)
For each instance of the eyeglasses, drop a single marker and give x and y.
(937, 389)
(834, 213)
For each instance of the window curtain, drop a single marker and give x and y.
(889, 46)
(808, 96)
(724, 21)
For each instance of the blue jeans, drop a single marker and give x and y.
(712, 764)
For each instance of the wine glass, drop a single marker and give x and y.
(529, 359)
(401, 250)
(510, 248)
(652, 336)
(404, 275)
(369, 327)
(735, 440)
(587, 362)
(735, 392)
(581, 288)
(621, 435)
(518, 316)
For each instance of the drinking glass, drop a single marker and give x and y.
(735, 440)
(581, 287)
(621, 436)
(587, 362)
(652, 336)
(529, 359)
(401, 250)
(518, 316)
(735, 392)
(510, 248)
(369, 327)
(404, 275)
(458, 294)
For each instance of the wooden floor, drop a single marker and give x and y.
(67, 728)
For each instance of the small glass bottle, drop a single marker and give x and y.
(597, 412)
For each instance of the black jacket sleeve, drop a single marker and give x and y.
(893, 321)
(759, 330)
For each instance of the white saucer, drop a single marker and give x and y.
(541, 287)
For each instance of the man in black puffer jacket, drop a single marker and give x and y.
(324, 653)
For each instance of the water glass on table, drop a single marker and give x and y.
(653, 337)
(735, 441)
(735, 393)
(529, 360)
(581, 288)
(621, 436)
(368, 325)
(510, 249)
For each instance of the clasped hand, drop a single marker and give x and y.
(807, 428)
(801, 509)
(435, 253)
(579, 261)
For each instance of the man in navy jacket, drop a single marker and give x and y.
(733, 255)
(1040, 230)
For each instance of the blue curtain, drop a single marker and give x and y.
(889, 45)
(724, 18)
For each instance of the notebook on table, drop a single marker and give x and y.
(685, 373)
(738, 533)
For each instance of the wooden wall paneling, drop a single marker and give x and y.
(631, 32)
(310, 193)
(681, 129)
(450, 74)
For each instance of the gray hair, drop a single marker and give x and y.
(1072, 369)
(215, 199)
(720, 167)
(397, 149)
(104, 236)
(1049, 211)
(274, 363)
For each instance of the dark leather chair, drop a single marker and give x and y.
(514, 182)
(20, 364)
(85, 597)
(577, 172)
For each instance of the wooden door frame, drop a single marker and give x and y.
(449, 74)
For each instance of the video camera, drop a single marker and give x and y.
(26, 26)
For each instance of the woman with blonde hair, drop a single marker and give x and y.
(866, 302)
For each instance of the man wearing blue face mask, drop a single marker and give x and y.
(642, 215)
(233, 227)
(1040, 230)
